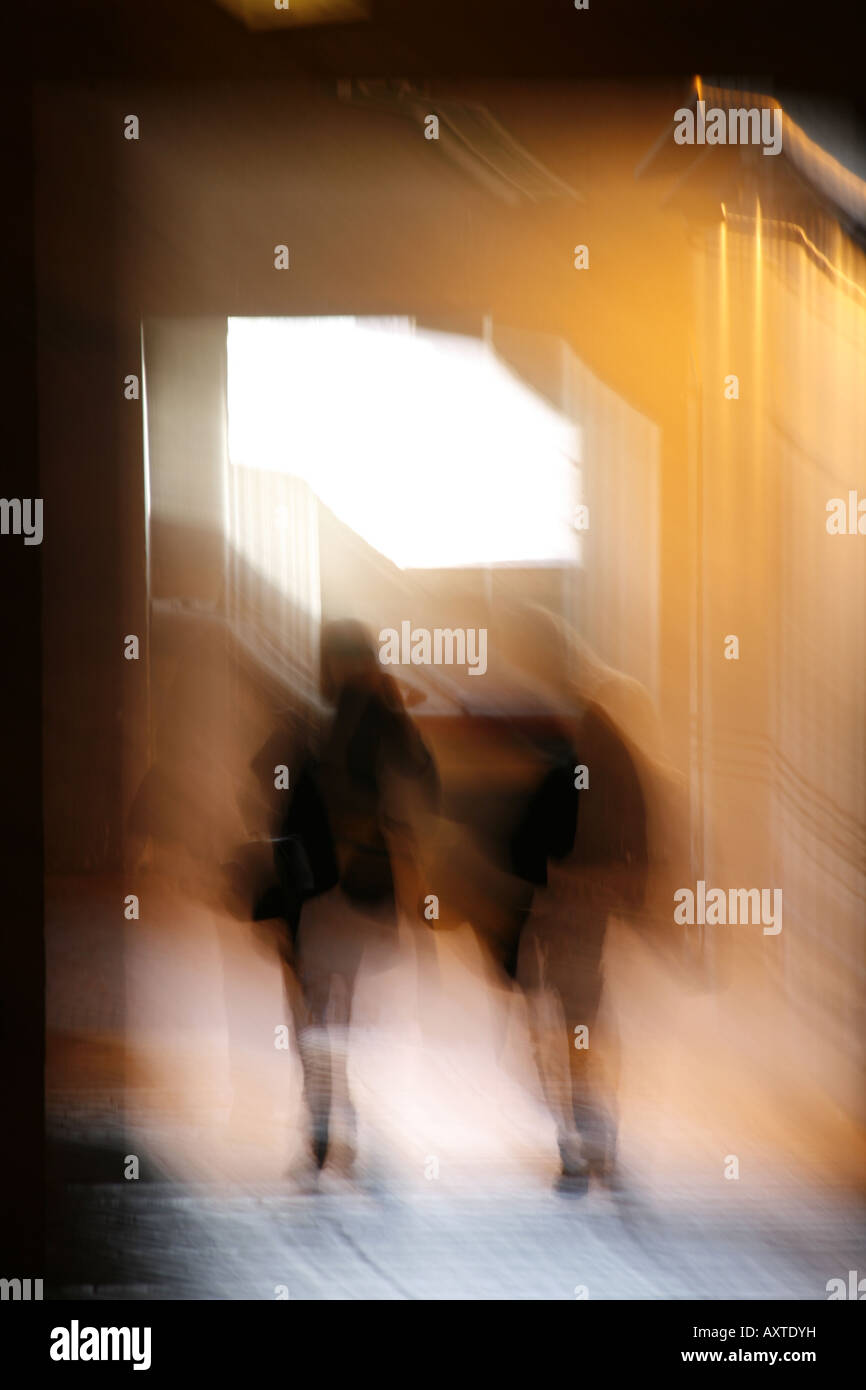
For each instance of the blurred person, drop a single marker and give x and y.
(348, 861)
(582, 843)
(199, 827)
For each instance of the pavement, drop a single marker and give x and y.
(161, 1049)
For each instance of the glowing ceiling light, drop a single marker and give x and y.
(288, 14)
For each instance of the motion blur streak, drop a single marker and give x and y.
(387, 961)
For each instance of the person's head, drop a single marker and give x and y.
(348, 656)
(540, 647)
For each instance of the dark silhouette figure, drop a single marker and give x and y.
(347, 860)
(584, 849)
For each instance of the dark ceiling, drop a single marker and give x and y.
(788, 43)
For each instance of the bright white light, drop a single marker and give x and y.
(425, 444)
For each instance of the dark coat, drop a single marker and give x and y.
(333, 830)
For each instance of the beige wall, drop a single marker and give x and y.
(779, 738)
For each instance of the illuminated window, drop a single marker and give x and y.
(425, 444)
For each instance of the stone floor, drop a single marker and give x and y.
(161, 1046)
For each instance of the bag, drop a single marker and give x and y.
(304, 852)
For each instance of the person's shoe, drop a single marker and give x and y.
(341, 1158)
(304, 1174)
(574, 1178)
(572, 1184)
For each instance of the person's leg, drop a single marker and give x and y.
(330, 944)
(593, 1102)
(549, 1040)
(311, 1002)
(592, 1043)
(343, 1125)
